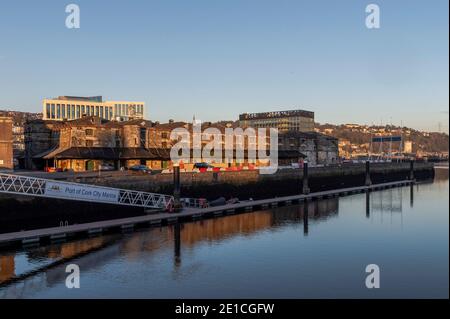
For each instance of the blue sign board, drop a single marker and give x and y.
(380, 139)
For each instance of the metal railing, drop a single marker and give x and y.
(39, 187)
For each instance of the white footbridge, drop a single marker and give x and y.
(40, 187)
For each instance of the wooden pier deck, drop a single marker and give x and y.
(94, 228)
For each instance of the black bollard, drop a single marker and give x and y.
(411, 195)
(176, 187)
(368, 181)
(305, 189)
(411, 170)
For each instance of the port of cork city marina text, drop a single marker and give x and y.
(103, 154)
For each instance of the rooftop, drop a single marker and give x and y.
(275, 114)
(98, 98)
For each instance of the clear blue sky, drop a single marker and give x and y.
(216, 59)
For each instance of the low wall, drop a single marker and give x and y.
(244, 184)
(20, 212)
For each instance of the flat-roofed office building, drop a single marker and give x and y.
(75, 107)
(294, 120)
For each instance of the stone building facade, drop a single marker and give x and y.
(90, 143)
(319, 149)
(6, 143)
(161, 133)
(18, 132)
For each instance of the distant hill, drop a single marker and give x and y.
(19, 118)
(429, 142)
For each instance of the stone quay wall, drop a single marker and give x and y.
(249, 183)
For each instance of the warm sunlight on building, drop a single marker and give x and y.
(75, 107)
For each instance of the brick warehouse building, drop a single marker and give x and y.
(87, 143)
(316, 148)
(90, 142)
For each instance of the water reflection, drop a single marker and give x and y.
(98, 250)
(32, 272)
(367, 204)
(7, 267)
(305, 219)
(49, 264)
(389, 201)
(177, 244)
(441, 175)
(54, 253)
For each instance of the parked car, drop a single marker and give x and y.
(140, 168)
(106, 167)
(203, 165)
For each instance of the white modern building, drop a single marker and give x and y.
(75, 107)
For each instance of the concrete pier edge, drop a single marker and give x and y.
(47, 235)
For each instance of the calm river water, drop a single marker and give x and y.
(278, 253)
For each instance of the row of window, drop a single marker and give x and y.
(126, 109)
(283, 120)
(87, 143)
(284, 126)
(71, 111)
